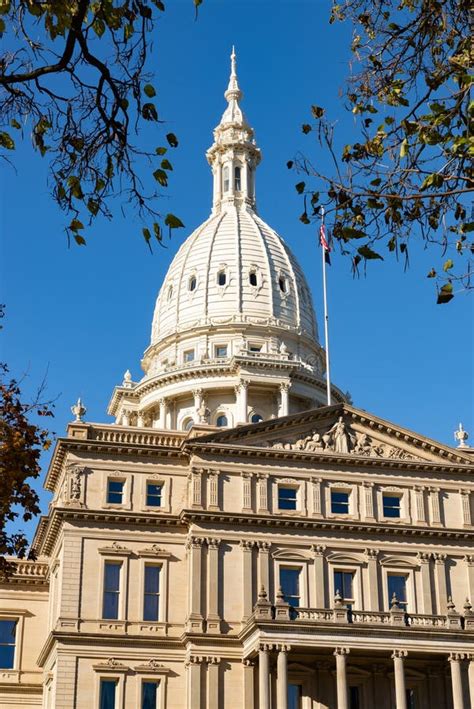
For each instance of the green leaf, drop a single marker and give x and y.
(75, 185)
(431, 274)
(376, 182)
(98, 26)
(146, 233)
(350, 233)
(79, 239)
(300, 187)
(317, 111)
(404, 148)
(172, 140)
(433, 180)
(173, 222)
(149, 112)
(447, 265)
(161, 177)
(6, 141)
(157, 231)
(159, 5)
(99, 184)
(14, 124)
(467, 227)
(306, 128)
(290, 164)
(166, 165)
(304, 218)
(160, 151)
(75, 225)
(2, 26)
(445, 294)
(367, 253)
(149, 90)
(92, 206)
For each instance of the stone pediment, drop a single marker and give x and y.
(340, 430)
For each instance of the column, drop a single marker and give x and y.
(282, 676)
(246, 492)
(373, 577)
(241, 391)
(284, 399)
(426, 599)
(125, 418)
(263, 678)
(368, 491)
(249, 690)
(140, 420)
(434, 504)
(466, 507)
(469, 561)
(341, 677)
(440, 581)
(398, 657)
(163, 411)
(213, 489)
(262, 487)
(212, 683)
(197, 394)
(420, 504)
(247, 580)
(316, 489)
(319, 575)
(470, 674)
(455, 659)
(213, 618)
(194, 622)
(194, 681)
(264, 565)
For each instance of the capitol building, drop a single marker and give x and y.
(230, 541)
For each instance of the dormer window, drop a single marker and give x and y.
(283, 284)
(192, 283)
(188, 355)
(253, 279)
(221, 421)
(221, 278)
(225, 178)
(237, 179)
(256, 418)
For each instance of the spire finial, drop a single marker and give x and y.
(233, 92)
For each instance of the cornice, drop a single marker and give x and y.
(190, 516)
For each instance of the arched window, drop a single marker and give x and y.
(225, 178)
(250, 182)
(221, 278)
(256, 418)
(237, 180)
(187, 424)
(221, 420)
(192, 283)
(282, 282)
(170, 293)
(253, 279)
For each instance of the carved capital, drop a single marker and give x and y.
(247, 544)
(248, 663)
(423, 557)
(264, 546)
(439, 558)
(318, 549)
(341, 651)
(285, 386)
(371, 553)
(195, 542)
(469, 559)
(456, 656)
(399, 654)
(283, 648)
(213, 543)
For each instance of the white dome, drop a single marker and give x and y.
(234, 268)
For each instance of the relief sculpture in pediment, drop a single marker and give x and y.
(340, 438)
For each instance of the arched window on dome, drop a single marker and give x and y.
(250, 182)
(237, 179)
(221, 277)
(225, 178)
(283, 284)
(192, 283)
(222, 421)
(187, 424)
(170, 293)
(253, 277)
(256, 418)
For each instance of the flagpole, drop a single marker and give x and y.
(326, 316)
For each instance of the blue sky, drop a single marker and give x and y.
(83, 315)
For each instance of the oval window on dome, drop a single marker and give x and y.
(283, 284)
(221, 278)
(221, 421)
(192, 283)
(253, 278)
(256, 418)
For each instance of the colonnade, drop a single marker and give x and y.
(341, 655)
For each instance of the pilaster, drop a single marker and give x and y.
(195, 622)
(373, 579)
(426, 595)
(264, 565)
(213, 618)
(440, 583)
(319, 575)
(247, 577)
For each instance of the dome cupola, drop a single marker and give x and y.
(234, 336)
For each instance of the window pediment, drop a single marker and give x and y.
(290, 555)
(399, 561)
(343, 558)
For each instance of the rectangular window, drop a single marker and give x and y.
(354, 698)
(286, 498)
(110, 609)
(295, 693)
(344, 583)
(255, 348)
(221, 350)
(153, 494)
(189, 356)
(397, 584)
(151, 600)
(290, 585)
(149, 695)
(115, 491)
(108, 689)
(237, 179)
(7, 644)
(391, 506)
(339, 503)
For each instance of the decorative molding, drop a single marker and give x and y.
(155, 552)
(110, 665)
(115, 549)
(154, 666)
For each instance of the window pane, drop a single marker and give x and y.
(391, 506)
(115, 492)
(343, 584)
(7, 632)
(339, 502)
(221, 421)
(112, 577)
(7, 657)
(287, 498)
(152, 579)
(294, 696)
(354, 699)
(221, 351)
(107, 693)
(150, 607)
(149, 695)
(153, 494)
(410, 695)
(290, 585)
(397, 585)
(110, 608)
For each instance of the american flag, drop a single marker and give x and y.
(325, 243)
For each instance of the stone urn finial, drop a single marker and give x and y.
(262, 594)
(78, 410)
(467, 607)
(461, 437)
(127, 379)
(394, 602)
(280, 596)
(338, 602)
